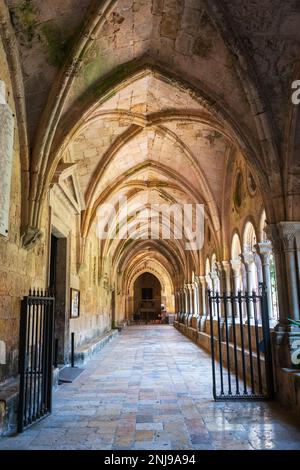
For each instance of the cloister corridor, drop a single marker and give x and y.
(150, 388)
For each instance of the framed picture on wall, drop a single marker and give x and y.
(74, 303)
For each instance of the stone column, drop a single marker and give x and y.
(222, 278)
(183, 306)
(192, 294)
(192, 305)
(289, 232)
(249, 262)
(285, 241)
(197, 296)
(187, 299)
(226, 270)
(236, 275)
(264, 250)
(203, 305)
(180, 301)
(176, 297)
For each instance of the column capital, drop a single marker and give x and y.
(236, 265)
(264, 250)
(288, 232)
(283, 235)
(247, 258)
(220, 267)
(226, 265)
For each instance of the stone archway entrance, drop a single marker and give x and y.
(147, 298)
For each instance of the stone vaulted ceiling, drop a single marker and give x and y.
(152, 98)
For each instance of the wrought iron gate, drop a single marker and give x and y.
(35, 358)
(240, 346)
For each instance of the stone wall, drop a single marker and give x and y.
(237, 209)
(19, 268)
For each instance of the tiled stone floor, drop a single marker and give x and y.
(150, 388)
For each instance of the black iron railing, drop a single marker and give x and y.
(35, 357)
(240, 346)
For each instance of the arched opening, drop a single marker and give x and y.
(148, 305)
(251, 265)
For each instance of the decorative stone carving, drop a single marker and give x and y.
(30, 237)
(288, 232)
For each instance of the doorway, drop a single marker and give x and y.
(147, 298)
(58, 284)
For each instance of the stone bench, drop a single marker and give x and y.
(84, 353)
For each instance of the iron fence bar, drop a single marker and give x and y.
(22, 363)
(35, 362)
(227, 345)
(212, 344)
(257, 342)
(233, 307)
(32, 310)
(51, 331)
(220, 347)
(242, 342)
(40, 373)
(35, 358)
(46, 359)
(247, 299)
(44, 362)
(26, 304)
(239, 303)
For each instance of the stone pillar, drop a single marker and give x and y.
(236, 275)
(285, 241)
(222, 278)
(192, 298)
(249, 262)
(289, 232)
(203, 308)
(187, 299)
(176, 298)
(264, 250)
(191, 301)
(182, 296)
(227, 270)
(226, 284)
(197, 296)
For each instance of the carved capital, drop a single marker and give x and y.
(208, 281)
(202, 281)
(236, 266)
(226, 267)
(31, 237)
(288, 232)
(247, 258)
(273, 235)
(264, 250)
